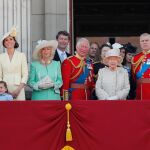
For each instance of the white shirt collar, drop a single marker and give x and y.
(60, 53)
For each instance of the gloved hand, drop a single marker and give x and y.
(113, 98)
(46, 85)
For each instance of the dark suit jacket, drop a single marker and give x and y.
(56, 56)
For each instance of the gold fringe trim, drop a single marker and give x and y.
(65, 95)
(68, 132)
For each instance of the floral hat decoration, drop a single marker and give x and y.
(117, 46)
(12, 32)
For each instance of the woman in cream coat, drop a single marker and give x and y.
(113, 81)
(13, 66)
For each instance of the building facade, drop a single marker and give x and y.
(100, 21)
(34, 19)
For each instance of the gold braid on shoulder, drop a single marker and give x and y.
(137, 63)
(80, 65)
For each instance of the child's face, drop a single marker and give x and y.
(2, 88)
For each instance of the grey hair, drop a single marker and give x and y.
(81, 40)
(144, 34)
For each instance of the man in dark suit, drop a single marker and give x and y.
(63, 38)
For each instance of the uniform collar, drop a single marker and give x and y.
(79, 57)
(146, 52)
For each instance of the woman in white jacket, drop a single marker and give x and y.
(13, 66)
(113, 81)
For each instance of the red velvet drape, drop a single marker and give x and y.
(95, 125)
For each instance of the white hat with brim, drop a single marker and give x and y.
(113, 53)
(42, 44)
(12, 32)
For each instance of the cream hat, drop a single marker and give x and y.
(12, 32)
(113, 53)
(44, 43)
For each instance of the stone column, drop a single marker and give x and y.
(37, 22)
(55, 17)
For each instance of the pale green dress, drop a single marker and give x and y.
(39, 71)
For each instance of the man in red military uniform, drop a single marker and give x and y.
(77, 74)
(141, 68)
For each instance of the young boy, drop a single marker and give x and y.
(4, 96)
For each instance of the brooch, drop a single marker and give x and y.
(89, 66)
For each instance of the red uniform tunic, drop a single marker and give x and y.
(141, 73)
(74, 87)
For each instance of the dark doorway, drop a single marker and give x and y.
(110, 18)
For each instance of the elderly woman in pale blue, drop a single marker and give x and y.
(45, 74)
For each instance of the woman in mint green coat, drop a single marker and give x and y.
(45, 74)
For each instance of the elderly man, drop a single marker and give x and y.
(94, 48)
(141, 68)
(77, 73)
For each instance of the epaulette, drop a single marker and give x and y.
(79, 66)
(138, 62)
(148, 52)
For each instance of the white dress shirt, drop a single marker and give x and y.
(62, 55)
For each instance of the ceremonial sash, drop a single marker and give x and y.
(143, 69)
(83, 76)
